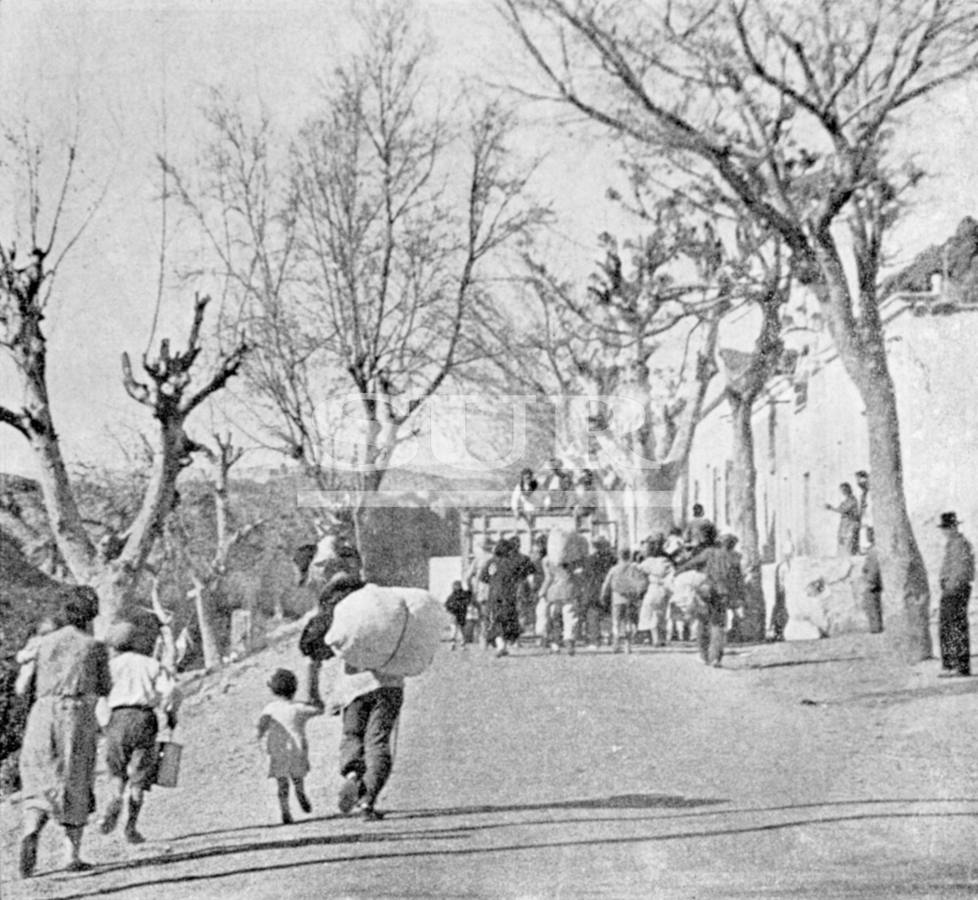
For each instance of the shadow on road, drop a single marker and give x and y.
(621, 801)
(189, 877)
(797, 662)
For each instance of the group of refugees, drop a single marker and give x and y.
(673, 585)
(79, 687)
(123, 690)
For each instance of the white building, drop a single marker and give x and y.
(810, 433)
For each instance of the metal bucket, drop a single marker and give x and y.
(168, 763)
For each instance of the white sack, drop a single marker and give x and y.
(394, 630)
(565, 547)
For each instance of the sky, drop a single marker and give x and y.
(115, 72)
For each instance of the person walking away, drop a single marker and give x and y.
(957, 575)
(653, 614)
(872, 585)
(479, 587)
(457, 606)
(282, 725)
(715, 563)
(848, 510)
(625, 585)
(26, 659)
(57, 759)
(141, 687)
(596, 568)
(311, 641)
(370, 703)
(503, 573)
(562, 586)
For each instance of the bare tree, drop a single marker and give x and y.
(398, 212)
(794, 109)
(638, 417)
(207, 567)
(25, 289)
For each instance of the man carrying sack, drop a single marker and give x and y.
(382, 635)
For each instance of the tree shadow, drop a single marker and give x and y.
(799, 662)
(908, 695)
(461, 852)
(619, 802)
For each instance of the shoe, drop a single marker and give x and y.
(28, 854)
(350, 793)
(304, 804)
(78, 865)
(111, 817)
(369, 814)
(134, 837)
(502, 651)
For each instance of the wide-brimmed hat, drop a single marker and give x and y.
(949, 520)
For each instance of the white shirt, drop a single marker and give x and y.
(139, 680)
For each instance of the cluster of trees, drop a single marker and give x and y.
(372, 254)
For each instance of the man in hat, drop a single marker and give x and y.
(957, 575)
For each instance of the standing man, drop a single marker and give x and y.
(957, 574)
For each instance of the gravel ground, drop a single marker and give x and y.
(808, 770)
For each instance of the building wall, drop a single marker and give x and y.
(806, 445)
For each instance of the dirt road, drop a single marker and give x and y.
(805, 770)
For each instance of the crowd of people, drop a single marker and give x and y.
(569, 593)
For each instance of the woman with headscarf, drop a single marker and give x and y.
(57, 760)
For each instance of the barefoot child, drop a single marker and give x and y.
(283, 725)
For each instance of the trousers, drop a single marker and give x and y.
(953, 626)
(365, 747)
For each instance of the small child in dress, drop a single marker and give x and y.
(283, 725)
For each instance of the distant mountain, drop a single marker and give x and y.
(957, 258)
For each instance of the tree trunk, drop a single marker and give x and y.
(654, 488)
(906, 594)
(205, 621)
(744, 497)
(64, 518)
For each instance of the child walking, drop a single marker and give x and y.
(283, 725)
(141, 689)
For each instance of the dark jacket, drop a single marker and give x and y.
(958, 570)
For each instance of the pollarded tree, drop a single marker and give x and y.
(794, 108)
(165, 387)
(632, 409)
